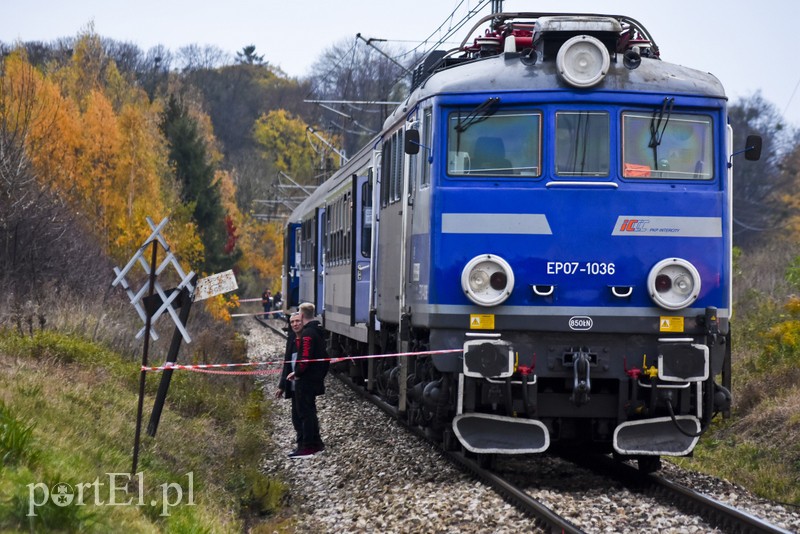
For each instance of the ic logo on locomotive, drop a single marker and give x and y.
(581, 322)
(634, 225)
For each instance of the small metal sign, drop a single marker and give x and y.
(214, 285)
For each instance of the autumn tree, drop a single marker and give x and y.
(96, 146)
(760, 187)
(790, 167)
(41, 239)
(189, 156)
(195, 57)
(248, 56)
(284, 142)
(234, 96)
(258, 244)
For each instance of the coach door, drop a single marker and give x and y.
(292, 264)
(308, 253)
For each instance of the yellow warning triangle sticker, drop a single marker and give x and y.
(664, 323)
(476, 321)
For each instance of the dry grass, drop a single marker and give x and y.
(759, 447)
(79, 397)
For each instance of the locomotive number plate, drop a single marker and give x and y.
(592, 268)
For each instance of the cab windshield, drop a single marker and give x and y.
(505, 143)
(676, 147)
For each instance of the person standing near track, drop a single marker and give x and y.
(309, 381)
(266, 301)
(286, 388)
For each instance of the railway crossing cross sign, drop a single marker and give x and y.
(166, 299)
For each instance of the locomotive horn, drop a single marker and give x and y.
(631, 59)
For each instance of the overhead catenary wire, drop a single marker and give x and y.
(347, 125)
(791, 97)
(451, 30)
(332, 69)
(470, 13)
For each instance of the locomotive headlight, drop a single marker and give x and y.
(673, 283)
(487, 280)
(478, 280)
(583, 61)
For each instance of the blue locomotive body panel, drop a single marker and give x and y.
(574, 240)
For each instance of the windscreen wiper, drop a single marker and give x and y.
(481, 112)
(656, 129)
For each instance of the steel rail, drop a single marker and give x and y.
(690, 501)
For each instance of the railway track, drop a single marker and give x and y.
(686, 500)
(717, 513)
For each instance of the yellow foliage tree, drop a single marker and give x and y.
(94, 140)
(284, 140)
(261, 243)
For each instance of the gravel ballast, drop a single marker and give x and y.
(374, 476)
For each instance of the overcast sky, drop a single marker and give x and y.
(748, 45)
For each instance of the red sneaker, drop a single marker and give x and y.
(305, 452)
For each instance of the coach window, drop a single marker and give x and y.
(413, 161)
(348, 225)
(386, 174)
(366, 217)
(337, 230)
(582, 143)
(308, 243)
(676, 147)
(505, 143)
(326, 241)
(393, 169)
(298, 247)
(330, 251)
(304, 245)
(397, 174)
(425, 175)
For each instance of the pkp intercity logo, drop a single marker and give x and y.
(634, 225)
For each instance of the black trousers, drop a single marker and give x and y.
(304, 419)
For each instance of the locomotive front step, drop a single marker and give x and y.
(497, 434)
(659, 436)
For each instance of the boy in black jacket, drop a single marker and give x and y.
(309, 381)
(286, 387)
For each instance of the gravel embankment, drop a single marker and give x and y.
(376, 477)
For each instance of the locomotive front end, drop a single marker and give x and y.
(582, 245)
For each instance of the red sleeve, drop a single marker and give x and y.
(305, 354)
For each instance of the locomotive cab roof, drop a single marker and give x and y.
(522, 50)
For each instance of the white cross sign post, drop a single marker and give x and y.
(136, 298)
(152, 270)
(187, 291)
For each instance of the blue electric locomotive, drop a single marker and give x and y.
(545, 224)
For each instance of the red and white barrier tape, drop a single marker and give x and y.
(251, 300)
(203, 367)
(367, 357)
(238, 373)
(259, 313)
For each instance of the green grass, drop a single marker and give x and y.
(67, 414)
(764, 470)
(15, 437)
